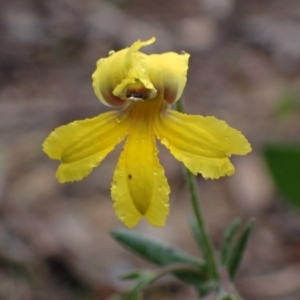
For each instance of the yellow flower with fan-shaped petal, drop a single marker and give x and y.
(143, 87)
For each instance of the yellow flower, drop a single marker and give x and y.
(144, 86)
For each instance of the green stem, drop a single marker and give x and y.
(207, 244)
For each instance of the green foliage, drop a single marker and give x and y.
(143, 279)
(235, 253)
(154, 251)
(204, 247)
(165, 255)
(227, 241)
(233, 246)
(284, 164)
(188, 268)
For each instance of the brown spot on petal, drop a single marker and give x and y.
(170, 95)
(112, 100)
(129, 176)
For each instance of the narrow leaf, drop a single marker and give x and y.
(153, 250)
(227, 241)
(164, 255)
(238, 249)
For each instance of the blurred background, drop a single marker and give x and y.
(244, 68)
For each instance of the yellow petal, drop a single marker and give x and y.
(136, 65)
(82, 145)
(203, 144)
(139, 186)
(115, 73)
(168, 73)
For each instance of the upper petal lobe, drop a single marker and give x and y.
(168, 73)
(118, 71)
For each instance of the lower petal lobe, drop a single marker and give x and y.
(82, 145)
(139, 186)
(203, 144)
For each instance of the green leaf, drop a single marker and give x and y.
(143, 279)
(165, 255)
(284, 164)
(153, 250)
(236, 254)
(146, 277)
(203, 246)
(227, 241)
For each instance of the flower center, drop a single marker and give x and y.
(137, 92)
